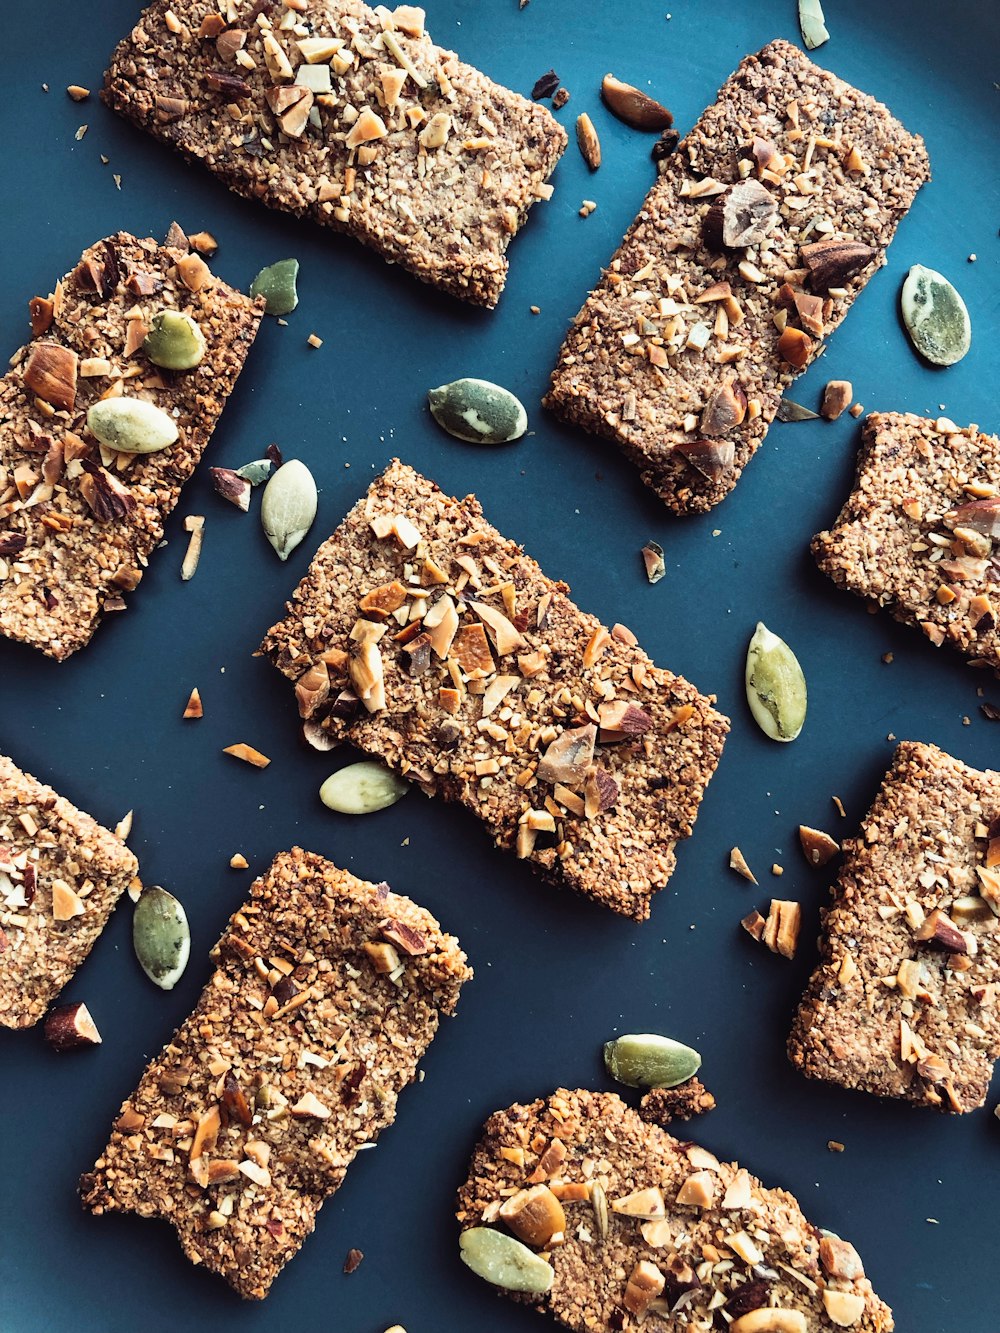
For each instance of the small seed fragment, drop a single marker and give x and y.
(652, 557)
(161, 936)
(362, 788)
(589, 144)
(131, 425)
(257, 472)
(776, 687)
(478, 411)
(812, 22)
(738, 862)
(645, 1060)
(232, 487)
(633, 106)
(194, 707)
(248, 754)
(504, 1261)
(276, 284)
(174, 341)
(288, 507)
(935, 316)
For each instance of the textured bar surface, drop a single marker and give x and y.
(54, 860)
(495, 690)
(65, 558)
(914, 534)
(292, 1061)
(885, 1011)
(839, 168)
(442, 191)
(739, 1248)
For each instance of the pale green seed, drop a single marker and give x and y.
(174, 341)
(360, 789)
(131, 425)
(644, 1060)
(499, 1258)
(776, 687)
(935, 316)
(288, 507)
(276, 284)
(257, 472)
(812, 22)
(160, 936)
(478, 412)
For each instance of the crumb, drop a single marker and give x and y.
(314, 340)
(248, 754)
(560, 97)
(966, 721)
(973, 258)
(856, 410)
(239, 862)
(661, 1106)
(353, 1260)
(193, 707)
(737, 862)
(587, 208)
(78, 93)
(81, 132)
(840, 806)
(888, 659)
(777, 870)
(535, 310)
(835, 1146)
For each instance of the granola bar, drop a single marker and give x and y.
(326, 993)
(763, 227)
(427, 639)
(657, 1232)
(78, 520)
(904, 1000)
(61, 874)
(918, 533)
(349, 116)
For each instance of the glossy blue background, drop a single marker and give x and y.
(555, 976)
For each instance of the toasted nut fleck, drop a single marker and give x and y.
(239, 862)
(195, 525)
(818, 847)
(698, 1190)
(534, 1215)
(193, 707)
(737, 862)
(77, 92)
(589, 144)
(248, 754)
(836, 399)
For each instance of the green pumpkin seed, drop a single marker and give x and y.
(504, 1261)
(276, 284)
(174, 341)
(160, 936)
(644, 1060)
(360, 789)
(935, 316)
(776, 687)
(131, 425)
(257, 472)
(288, 507)
(478, 411)
(812, 22)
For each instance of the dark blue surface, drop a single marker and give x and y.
(554, 976)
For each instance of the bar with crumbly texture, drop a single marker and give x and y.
(78, 521)
(682, 352)
(920, 532)
(351, 117)
(430, 641)
(903, 1002)
(326, 993)
(61, 874)
(657, 1232)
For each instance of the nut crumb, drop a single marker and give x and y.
(840, 806)
(836, 398)
(777, 869)
(193, 707)
(835, 1145)
(856, 410)
(353, 1260)
(81, 132)
(888, 659)
(587, 207)
(239, 862)
(535, 310)
(248, 754)
(314, 340)
(817, 847)
(77, 92)
(737, 862)
(195, 525)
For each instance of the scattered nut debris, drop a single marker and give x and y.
(232, 487)
(559, 98)
(248, 754)
(665, 145)
(990, 711)
(840, 806)
(662, 1106)
(587, 207)
(77, 92)
(791, 411)
(314, 340)
(193, 707)
(204, 242)
(353, 1260)
(652, 555)
(81, 132)
(817, 847)
(780, 931)
(857, 410)
(588, 142)
(545, 86)
(135, 888)
(633, 106)
(835, 1145)
(535, 309)
(737, 862)
(195, 525)
(888, 659)
(836, 399)
(239, 862)
(69, 1027)
(777, 869)
(124, 826)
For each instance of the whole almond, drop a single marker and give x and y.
(590, 145)
(633, 106)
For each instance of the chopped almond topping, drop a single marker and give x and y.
(248, 754)
(698, 1190)
(206, 1133)
(193, 707)
(65, 903)
(597, 644)
(381, 602)
(507, 638)
(368, 126)
(193, 272)
(817, 846)
(384, 957)
(239, 862)
(737, 862)
(309, 1107)
(472, 649)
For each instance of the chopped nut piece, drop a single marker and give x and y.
(833, 263)
(795, 347)
(248, 754)
(193, 708)
(698, 1190)
(737, 862)
(648, 1203)
(69, 1027)
(77, 92)
(652, 556)
(633, 106)
(844, 1308)
(745, 215)
(817, 847)
(309, 1107)
(836, 399)
(840, 1259)
(534, 1215)
(644, 1285)
(569, 756)
(353, 1260)
(939, 929)
(51, 373)
(65, 903)
(195, 525)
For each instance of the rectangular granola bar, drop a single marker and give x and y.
(904, 1000)
(918, 533)
(77, 520)
(642, 1229)
(326, 993)
(762, 228)
(349, 116)
(427, 639)
(61, 874)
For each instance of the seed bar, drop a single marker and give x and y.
(326, 993)
(61, 874)
(763, 227)
(651, 1228)
(918, 533)
(430, 641)
(77, 520)
(349, 116)
(904, 1000)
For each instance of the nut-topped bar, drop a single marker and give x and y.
(103, 417)
(61, 874)
(920, 532)
(904, 1000)
(427, 639)
(350, 116)
(761, 230)
(326, 993)
(640, 1229)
